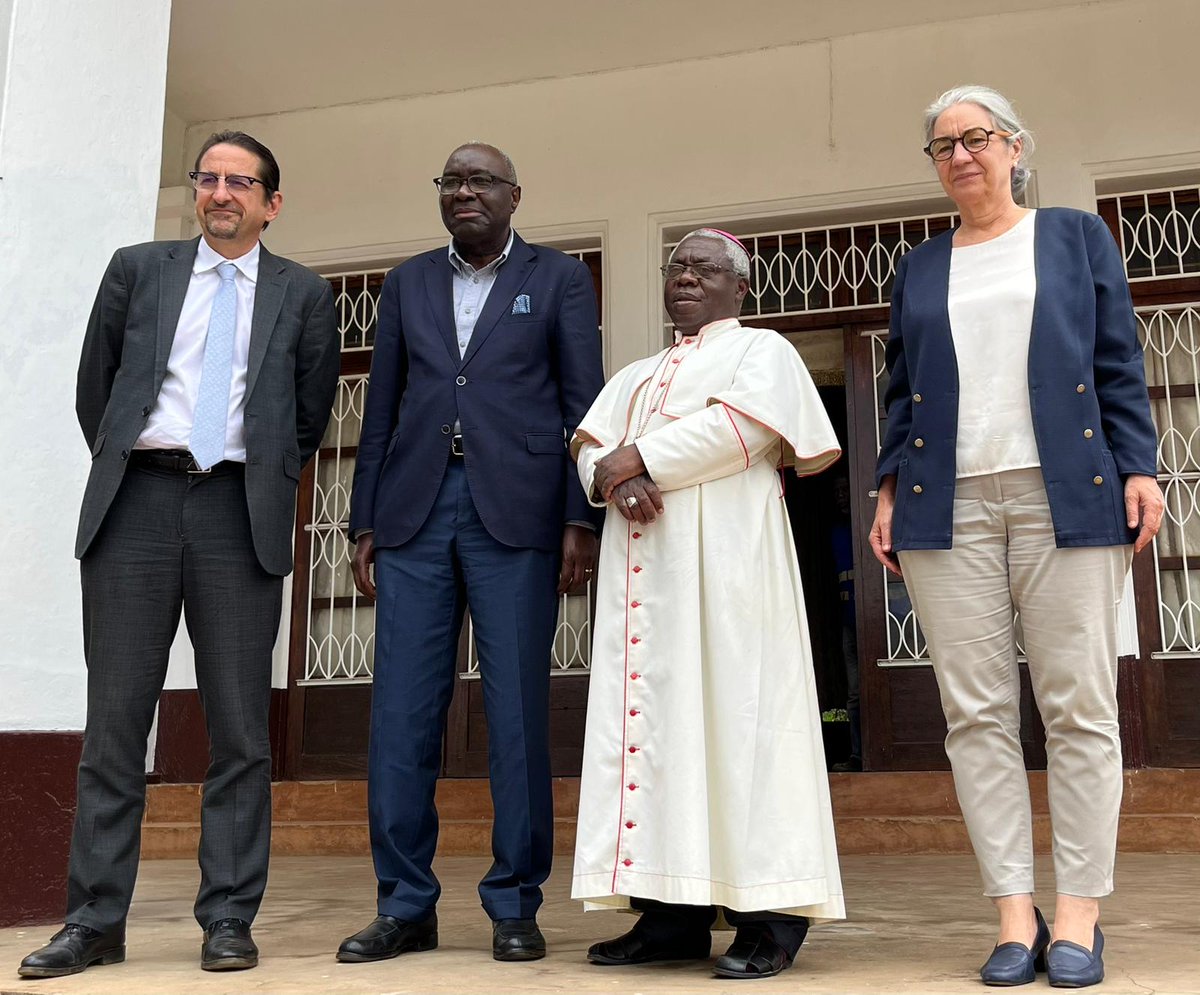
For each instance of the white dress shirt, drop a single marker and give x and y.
(992, 287)
(170, 423)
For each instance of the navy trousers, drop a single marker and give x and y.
(422, 588)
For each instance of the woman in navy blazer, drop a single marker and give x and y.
(1018, 465)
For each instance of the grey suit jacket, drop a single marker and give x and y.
(290, 380)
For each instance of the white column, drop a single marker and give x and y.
(81, 106)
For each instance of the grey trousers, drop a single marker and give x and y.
(1004, 556)
(172, 542)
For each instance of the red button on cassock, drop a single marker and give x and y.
(635, 604)
(627, 862)
(637, 535)
(631, 786)
(633, 749)
(635, 640)
(634, 676)
(637, 570)
(630, 825)
(634, 711)
(674, 360)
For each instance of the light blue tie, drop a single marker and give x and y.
(212, 403)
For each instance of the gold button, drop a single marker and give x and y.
(917, 488)
(1087, 433)
(1097, 479)
(1080, 389)
(916, 398)
(918, 443)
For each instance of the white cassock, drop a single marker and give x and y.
(704, 771)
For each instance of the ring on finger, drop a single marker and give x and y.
(631, 501)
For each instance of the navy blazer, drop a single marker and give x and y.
(1087, 387)
(526, 381)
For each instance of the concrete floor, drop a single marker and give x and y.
(918, 925)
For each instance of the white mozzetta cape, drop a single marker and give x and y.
(703, 775)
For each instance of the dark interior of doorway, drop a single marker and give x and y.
(816, 516)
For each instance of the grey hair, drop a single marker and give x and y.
(735, 255)
(508, 163)
(1004, 117)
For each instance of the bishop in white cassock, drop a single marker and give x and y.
(704, 790)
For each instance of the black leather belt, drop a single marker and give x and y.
(178, 461)
(456, 446)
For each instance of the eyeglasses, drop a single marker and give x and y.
(234, 183)
(974, 140)
(702, 271)
(476, 182)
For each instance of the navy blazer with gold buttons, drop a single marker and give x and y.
(1087, 387)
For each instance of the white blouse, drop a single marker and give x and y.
(992, 288)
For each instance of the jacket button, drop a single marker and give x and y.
(445, 430)
(124, 454)
(1080, 389)
(1097, 479)
(1087, 433)
(146, 411)
(461, 381)
(917, 488)
(918, 443)
(917, 399)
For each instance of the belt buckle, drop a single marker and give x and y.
(195, 469)
(456, 445)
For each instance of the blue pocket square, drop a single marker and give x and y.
(521, 304)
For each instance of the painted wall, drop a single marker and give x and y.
(811, 128)
(80, 151)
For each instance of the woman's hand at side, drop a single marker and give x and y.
(1143, 508)
(881, 528)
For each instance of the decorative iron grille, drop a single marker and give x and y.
(1159, 232)
(1171, 340)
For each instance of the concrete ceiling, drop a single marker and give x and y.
(239, 58)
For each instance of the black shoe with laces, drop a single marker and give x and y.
(228, 946)
(75, 948)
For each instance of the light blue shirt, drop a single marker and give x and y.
(471, 289)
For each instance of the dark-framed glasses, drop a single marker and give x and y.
(974, 140)
(234, 183)
(476, 182)
(702, 271)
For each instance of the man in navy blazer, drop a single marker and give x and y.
(487, 355)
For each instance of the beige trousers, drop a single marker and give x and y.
(1003, 558)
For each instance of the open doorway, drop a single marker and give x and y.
(819, 509)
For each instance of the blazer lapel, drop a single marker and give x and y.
(438, 286)
(174, 275)
(509, 279)
(268, 299)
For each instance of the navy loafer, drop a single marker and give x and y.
(1072, 966)
(1016, 964)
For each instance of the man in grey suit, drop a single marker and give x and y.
(206, 381)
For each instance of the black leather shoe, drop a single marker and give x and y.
(72, 949)
(636, 947)
(388, 937)
(754, 953)
(228, 946)
(1014, 963)
(517, 939)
